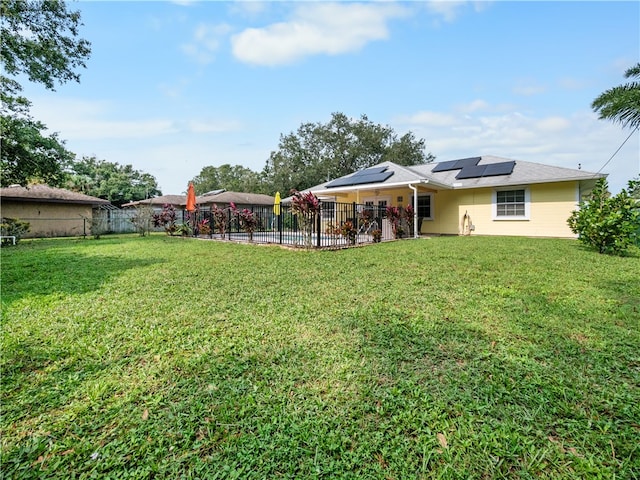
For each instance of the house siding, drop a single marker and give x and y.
(50, 219)
(551, 205)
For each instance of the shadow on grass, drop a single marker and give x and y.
(553, 393)
(61, 273)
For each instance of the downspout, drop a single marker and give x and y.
(415, 210)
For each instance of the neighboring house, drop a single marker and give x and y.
(241, 200)
(484, 195)
(159, 202)
(51, 212)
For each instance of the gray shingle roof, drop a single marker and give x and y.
(237, 198)
(45, 193)
(523, 173)
(175, 200)
(221, 198)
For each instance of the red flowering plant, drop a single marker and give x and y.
(203, 227)
(247, 219)
(394, 214)
(166, 219)
(409, 217)
(349, 232)
(306, 207)
(365, 216)
(219, 219)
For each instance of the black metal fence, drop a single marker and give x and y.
(337, 225)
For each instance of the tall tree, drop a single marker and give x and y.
(234, 178)
(117, 183)
(319, 152)
(622, 103)
(39, 41)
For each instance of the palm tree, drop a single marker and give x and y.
(621, 103)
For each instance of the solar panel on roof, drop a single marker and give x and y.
(445, 166)
(361, 179)
(340, 182)
(472, 171)
(369, 171)
(456, 164)
(503, 168)
(490, 170)
(467, 162)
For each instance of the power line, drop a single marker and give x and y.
(619, 148)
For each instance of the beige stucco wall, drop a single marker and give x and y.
(50, 219)
(550, 206)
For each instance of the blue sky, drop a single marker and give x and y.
(172, 87)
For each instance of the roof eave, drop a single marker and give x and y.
(7, 198)
(528, 182)
(374, 186)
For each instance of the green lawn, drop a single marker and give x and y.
(454, 358)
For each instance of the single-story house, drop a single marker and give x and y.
(159, 202)
(241, 200)
(51, 212)
(484, 195)
(222, 198)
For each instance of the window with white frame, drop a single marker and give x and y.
(425, 206)
(511, 204)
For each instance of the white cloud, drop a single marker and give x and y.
(450, 10)
(473, 106)
(96, 120)
(553, 124)
(569, 83)
(565, 141)
(528, 88)
(249, 9)
(316, 28)
(428, 119)
(212, 126)
(206, 42)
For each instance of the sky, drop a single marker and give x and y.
(173, 87)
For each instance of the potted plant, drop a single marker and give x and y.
(349, 232)
(377, 235)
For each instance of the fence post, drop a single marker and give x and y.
(355, 216)
(318, 237)
(280, 224)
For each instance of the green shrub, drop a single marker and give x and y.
(608, 224)
(13, 227)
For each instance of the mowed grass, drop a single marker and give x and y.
(450, 358)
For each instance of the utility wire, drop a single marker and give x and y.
(616, 152)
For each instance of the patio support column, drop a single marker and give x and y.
(415, 210)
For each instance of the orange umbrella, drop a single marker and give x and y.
(191, 198)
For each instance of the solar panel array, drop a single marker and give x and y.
(368, 175)
(469, 168)
(456, 164)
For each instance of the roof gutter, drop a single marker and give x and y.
(370, 186)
